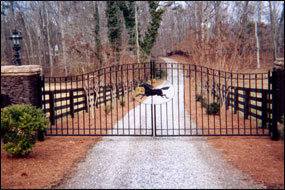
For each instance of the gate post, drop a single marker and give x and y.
(274, 130)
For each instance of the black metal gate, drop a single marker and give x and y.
(204, 102)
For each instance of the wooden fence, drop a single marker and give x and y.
(75, 100)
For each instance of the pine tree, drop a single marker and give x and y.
(114, 25)
(128, 9)
(152, 29)
(97, 35)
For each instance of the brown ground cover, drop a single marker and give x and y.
(260, 157)
(53, 159)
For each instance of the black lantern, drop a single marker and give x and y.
(16, 43)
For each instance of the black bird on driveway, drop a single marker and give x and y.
(149, 91)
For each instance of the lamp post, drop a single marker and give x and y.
(16, 42)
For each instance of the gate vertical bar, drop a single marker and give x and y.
(128, 99)
(61, 105)
(190, 99)
(105, 101)
(72, 105)
(226, 102)
(78, 120)
(66, 102)
(202, 99)
(220, 101)
(249, 104)
(117, 97)
(111, 106)
(195, 70)
(231, 102)
(214, 100)
(152, 106)
(122, 99)
(100, 112)
(244, 93)
(88, 102)
(134, 87)
(178, 78)
(184, 103)
(208, 86)
(236, 102)
(256, 103)
(85, 103)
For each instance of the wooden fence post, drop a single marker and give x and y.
(227, 101)
(235, 100)
(264, 108)
(104, 92)
(71, 99)
(51, 103)
(86, 102)
(246, 103)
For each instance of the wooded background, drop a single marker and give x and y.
(72, 37)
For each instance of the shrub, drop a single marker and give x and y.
(122, 102)
(159, 74)
(199, 98)
(19, 126)
(213, 108)
(151, 81)
(108, 108)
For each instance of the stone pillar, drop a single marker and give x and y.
(21, 85)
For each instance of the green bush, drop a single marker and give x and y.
(199, 98)
(203, 101)
(108, 108)
(213, 108)
(159, 74)
(122, 102)
(19, 126)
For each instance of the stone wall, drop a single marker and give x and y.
(20, 85)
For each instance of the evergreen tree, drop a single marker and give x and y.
(97, 35)
(128, 9)
(114, 25)
(152, 29)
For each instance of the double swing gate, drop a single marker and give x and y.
(195, 101)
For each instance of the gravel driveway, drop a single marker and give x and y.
(155, 162)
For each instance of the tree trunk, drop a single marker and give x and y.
(28, 51)
(257, 46)
(48, 41)
(279, 36)
(196, 20)
(273, 32)
(62, 26)
(137, 36)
